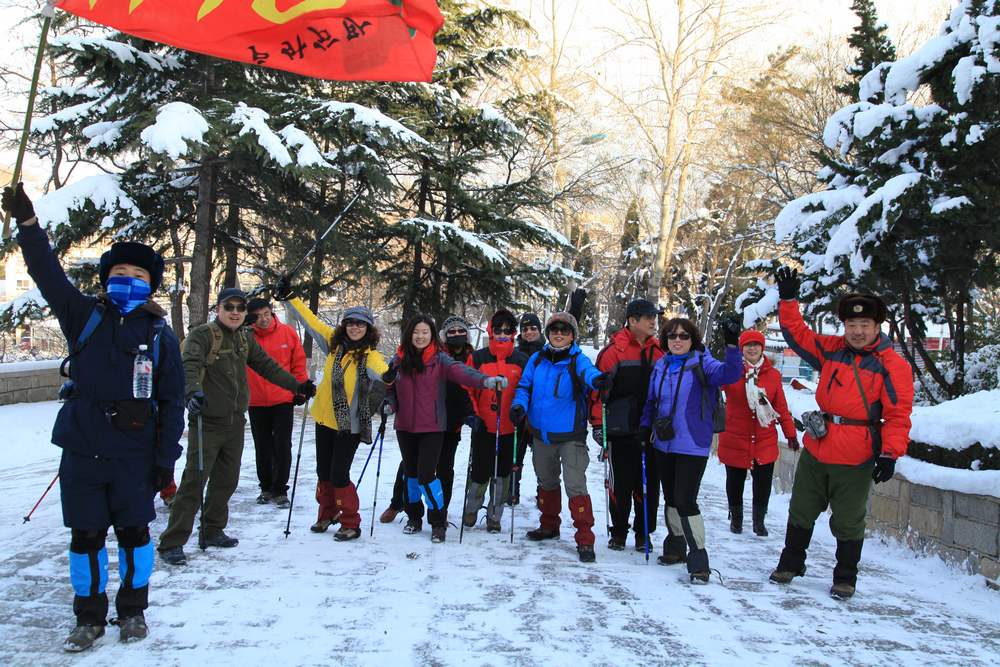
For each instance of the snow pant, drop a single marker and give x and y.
(446, 464)
(484, 464)
(97, 493)
(336, 495)
(222, 452)
(572, 457)
(761, 488)
(680, 476)
(271, 428)
(842, 488)
(626, 466)
(420, 452)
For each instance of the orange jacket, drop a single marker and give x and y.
(496, 359)
(885, 377)
(745, 440)
(630, 364)
(283, 345)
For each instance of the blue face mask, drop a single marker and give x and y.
(127, 293)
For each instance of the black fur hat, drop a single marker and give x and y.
(862, 305)
(136, 254)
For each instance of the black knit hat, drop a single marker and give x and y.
(531, 320)
(136, 254)
(868, 306)
(503, 316)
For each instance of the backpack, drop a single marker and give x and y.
(213, 351)
(719, 409)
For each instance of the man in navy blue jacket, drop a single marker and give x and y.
(118, 448)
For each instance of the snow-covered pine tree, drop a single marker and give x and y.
(910, 205)
(871, 44)
(631, 279)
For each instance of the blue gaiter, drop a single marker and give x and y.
(127, 293)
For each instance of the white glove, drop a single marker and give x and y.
(496, 383)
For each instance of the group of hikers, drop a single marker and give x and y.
(652, 399)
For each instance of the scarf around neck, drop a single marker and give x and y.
(761, 408)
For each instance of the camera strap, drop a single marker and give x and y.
(677, 389)
(876, 444)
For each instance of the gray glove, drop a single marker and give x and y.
(496, 383)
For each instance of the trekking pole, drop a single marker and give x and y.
(329, 229)
(362, 475)
(607, 478)
(298, 457)
(512, 482)
(378, 470)
(465, 493)
(27, 517)
(645, 506)
(201, 484)
(497, 491)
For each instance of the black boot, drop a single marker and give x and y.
(759, 512)
(736, 519)
(793, 557)
(845, 574)
(674, 550)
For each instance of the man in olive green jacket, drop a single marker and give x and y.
(215, 358)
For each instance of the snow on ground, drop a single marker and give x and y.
(398, 599)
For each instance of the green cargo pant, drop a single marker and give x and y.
(221, 458)
(843, 488)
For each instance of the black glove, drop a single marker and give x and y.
(162, 477)
(602, 382)
(390, 375)
(645, 435)
(195, 402)
(298, 399)
(788, 282)
(282, 290)
(731, 327)
(18, 204)
(307, 389)
(576, 300)
(793, 444)
(885, 468)
(516, 414)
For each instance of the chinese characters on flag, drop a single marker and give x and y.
(344, 40)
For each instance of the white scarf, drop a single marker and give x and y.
(757, 398)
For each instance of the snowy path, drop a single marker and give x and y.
(399, 599)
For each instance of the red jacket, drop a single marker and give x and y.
(745, 441)
(283, 345)
(885, 377)
(631, 365)
(497, 359)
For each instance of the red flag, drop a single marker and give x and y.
(345, 40)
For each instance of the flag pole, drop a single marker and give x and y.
(48, 11)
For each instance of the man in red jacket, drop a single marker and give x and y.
(865, 396)
(271, 406)
(629, 358)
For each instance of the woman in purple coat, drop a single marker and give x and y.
(418, 376)
(678, 416)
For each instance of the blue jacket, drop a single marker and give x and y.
(556, 405)
(693, 416)
(102, 371)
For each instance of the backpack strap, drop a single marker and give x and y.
(213, 352)
(94, 321)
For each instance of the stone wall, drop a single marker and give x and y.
(959, 527)
(29, 382)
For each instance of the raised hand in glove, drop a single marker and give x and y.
(162, 477)
(18, 204)
(731, 326)
(282, 290)
(788, 282)
(307, 389)
(195, 402)
(516, 414)
(496, 383)
(885, 468)
(576, 300)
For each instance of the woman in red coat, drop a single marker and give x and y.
(750, 441)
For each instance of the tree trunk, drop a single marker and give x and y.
(177, 291)
(201, 256)
(230, 276)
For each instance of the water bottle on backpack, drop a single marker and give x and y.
(142, 374)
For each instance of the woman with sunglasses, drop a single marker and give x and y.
(346, 400)
(754, 405)
(498, 358)
(418, 378)
(678, 416)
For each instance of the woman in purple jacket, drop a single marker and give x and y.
(418, 376)
(678, 416)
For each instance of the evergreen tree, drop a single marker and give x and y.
(872, 44)
(631, 280)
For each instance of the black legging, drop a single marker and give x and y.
(737, 477)
(484, 447)
(335, 452)
(680, 475)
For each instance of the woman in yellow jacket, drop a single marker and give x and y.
(350, 392)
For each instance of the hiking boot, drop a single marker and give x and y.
(493, 526)
(413, 526)
(736, 519)
(133, 628)
(345, 534)
(786, 576)
(438, 534)
(219, 539)
(389, 515)
(264, 498)
(173, 556)
(470, 518)
(700, 577)
(83, 637)
(586, 553)
(759, 529)
(640, 544)
(282, 502)
(321, 525)
(616, 543)
(671, 559)
(842, 590)
(539, 534)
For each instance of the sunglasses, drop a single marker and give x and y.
(238, 307)
(455, 332)
(681, 336)
(560, 329)
(355, 323)
(529, 327)
(504, 331)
